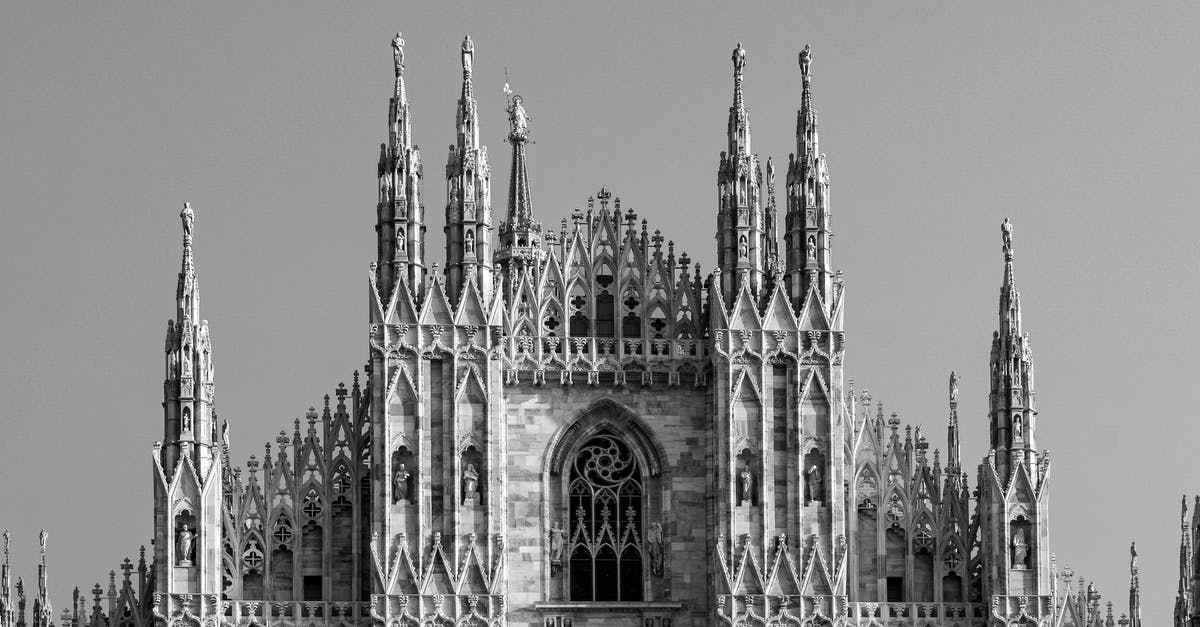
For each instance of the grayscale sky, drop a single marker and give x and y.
(1079, 121)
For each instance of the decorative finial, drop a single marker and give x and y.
(398, 53)
(7, 537)
(1006, 229)
(468, 52)
(953, 387)
(189, 219)
(806, 62)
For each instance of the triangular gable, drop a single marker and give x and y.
(817, 580)
(401, 309)
(812, 315)
(745, 314)
(778, 314)
(470, 308)
(436, 309)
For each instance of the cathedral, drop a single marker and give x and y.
(574, 425)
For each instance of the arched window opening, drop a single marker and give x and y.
(604, 315)
(606, 511)
(579, 317)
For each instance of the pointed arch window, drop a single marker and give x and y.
(606, 505)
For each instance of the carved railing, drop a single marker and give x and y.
(760, 610)
(418, 610)
(209, 610)
(581, 360)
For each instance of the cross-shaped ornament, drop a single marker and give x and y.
(127, 568)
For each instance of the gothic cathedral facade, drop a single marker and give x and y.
(575, 426)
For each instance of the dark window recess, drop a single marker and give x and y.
(312, 588)
(895, 591)
(604, 316)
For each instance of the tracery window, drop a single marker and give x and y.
(606, 503)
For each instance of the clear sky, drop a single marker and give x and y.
(1078, 121)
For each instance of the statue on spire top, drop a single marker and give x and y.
(739, 58)
(805, 60)
(398, 52)
(1006, 229)
(468, 51)
(518, 120)
(188, 219)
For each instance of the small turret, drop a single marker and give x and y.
(401, 215)
(743, 248)
(808, 234)
(1013, 409)
(469, 196)
(520, 235)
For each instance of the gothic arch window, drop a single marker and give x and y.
(579, 318)
(606, 502)
(605, 302)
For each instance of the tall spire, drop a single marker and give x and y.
(8, 613)
(742, 245)
(1184, 594)
(1013, 421)
(808, 235)
(954, 463)
(1135, 591)
(520, 235)
(468, 193)
(43, 614)
(401, 217)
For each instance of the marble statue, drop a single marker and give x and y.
(747, 486)
(815, 484)
(185, 541)
(1020, 548)
(953, 387)
(400, 484)
(654, 547)
(557, 539)
(398, 52)
(470, 482)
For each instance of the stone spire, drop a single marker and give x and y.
(520, 235)
(1184, 594)
(954, 459)
(8, 613)
(400, 214)
(189, 390)
(468, 193)
(808, 236)
(742, 244)
(1013, 421)
(1135, 592)
(42, 612)
(188, 459)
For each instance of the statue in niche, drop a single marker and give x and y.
(814, 482)
(654, 546)
(557, 538)
(743, 248)
(187, 420)
(470, 483)
(469, 244)
(185, 541)
(1018, 430)
(747, 480)
(1020, 548)
(187, 367)
(400, 484)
